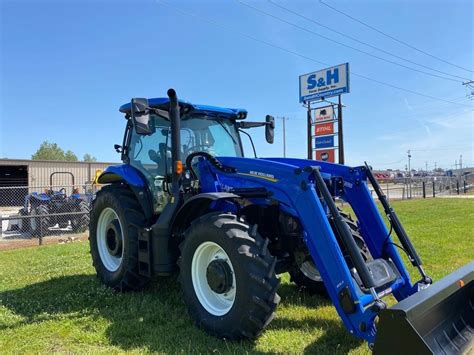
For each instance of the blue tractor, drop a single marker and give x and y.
(186, 199)
(54, 208)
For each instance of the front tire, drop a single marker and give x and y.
(228, 277)
(116, 219)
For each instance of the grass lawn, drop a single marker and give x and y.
(50, 299)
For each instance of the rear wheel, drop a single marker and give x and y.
(228, 277)
(39, 225)
(80, 222)
(116, 219)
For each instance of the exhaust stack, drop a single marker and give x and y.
(175, 123)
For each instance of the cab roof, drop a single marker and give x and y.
(187, 107)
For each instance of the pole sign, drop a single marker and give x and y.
(326, 155)
(325, 113)
(324, 142)
(323, 129)
(325, 83)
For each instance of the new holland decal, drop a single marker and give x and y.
(260, 175)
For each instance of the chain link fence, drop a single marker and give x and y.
(42, 213)
(427, 186)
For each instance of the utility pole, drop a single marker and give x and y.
(470, 85)
(426, 165)
(340, 136)
(283, 118)
(409, 171)
(435, 166)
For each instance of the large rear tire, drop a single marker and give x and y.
(228, 277)
(80, 222)
(304, 273)
(39, 226)
(116, 219)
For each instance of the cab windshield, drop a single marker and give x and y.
(151, 154)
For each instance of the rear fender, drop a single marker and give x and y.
(127, 174)
(122, 173)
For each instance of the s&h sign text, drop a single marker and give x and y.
(325, 83)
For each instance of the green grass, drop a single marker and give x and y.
(50, 299)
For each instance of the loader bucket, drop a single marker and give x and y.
(436, 320)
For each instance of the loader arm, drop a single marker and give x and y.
(292, 184)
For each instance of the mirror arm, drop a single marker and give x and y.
(246, 124)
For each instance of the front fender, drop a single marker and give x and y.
(197, 206)
(122, 173)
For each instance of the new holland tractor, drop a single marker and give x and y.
(51, 208)
(185, 199)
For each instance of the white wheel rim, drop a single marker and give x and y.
(111, 262)
(215, 303)
(310, 271)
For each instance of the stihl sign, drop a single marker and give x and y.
(322, 129)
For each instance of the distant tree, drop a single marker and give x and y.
(51, 151)
(70, 156)
(90, 158)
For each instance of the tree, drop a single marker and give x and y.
(51, 151)
(89, 158)
(70, 156)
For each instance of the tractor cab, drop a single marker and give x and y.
(147, 145)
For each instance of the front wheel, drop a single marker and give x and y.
(228, 277)
(115, 221)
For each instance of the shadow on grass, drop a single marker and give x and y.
(155, 319)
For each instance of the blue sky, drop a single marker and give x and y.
(66, 67)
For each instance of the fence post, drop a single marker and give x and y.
(403, 193)
(465, 186)
(457, 186)
(434, 190)
(388, 194)
(424, 189)
(40, 239)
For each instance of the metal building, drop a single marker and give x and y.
(34, 175)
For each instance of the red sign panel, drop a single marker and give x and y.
(322, 129)
(325, 155)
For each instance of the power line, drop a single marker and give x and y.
(394, 38)
(229, 29)
(345, 45)
(361, 42)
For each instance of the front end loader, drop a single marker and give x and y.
(185, 199)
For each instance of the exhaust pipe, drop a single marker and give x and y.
(175, 122)
(435, 320)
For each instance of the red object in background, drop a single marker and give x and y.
(325, 155)
(321, 129)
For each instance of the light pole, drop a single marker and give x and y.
(284, 135)
(409, 171)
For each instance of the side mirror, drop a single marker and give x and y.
(269, 128)
(141, 116)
